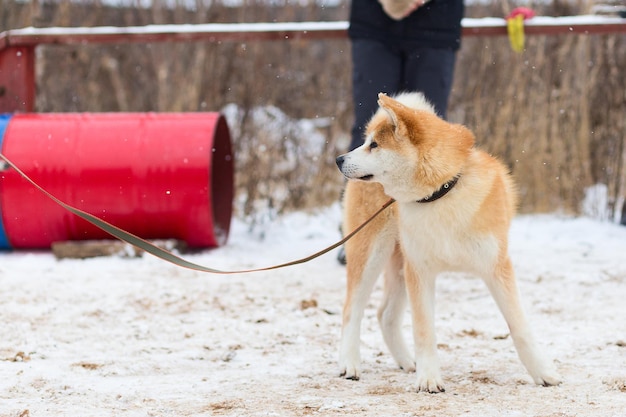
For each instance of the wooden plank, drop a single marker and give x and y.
(246, 32)
(176, 33)
(83, 249)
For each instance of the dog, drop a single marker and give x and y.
(453, 207)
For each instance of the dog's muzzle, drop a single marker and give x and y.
(340, 160)
(349, 171)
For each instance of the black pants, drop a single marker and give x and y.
(378, 68)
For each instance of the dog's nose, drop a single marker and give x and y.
(340, 160)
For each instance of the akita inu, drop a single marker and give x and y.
(454, 205)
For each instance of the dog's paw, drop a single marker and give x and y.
(545, 373)
(548, 379)
(430, 384)
(349, 361)
(349, 367)
(350, 372)
(407, 365)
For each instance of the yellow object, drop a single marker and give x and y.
(515, 28)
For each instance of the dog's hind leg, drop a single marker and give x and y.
(392, 309)
(361, 279)
(504, 290)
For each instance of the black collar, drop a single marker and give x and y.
(441, 192)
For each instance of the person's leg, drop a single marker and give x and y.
(375, 69)
(430, 71)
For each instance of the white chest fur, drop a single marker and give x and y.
(441, 237)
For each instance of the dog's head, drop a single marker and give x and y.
(408, 149)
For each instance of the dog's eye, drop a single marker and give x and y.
(373, 145)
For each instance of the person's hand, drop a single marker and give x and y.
(399, 9)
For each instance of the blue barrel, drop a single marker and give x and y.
(4, 121)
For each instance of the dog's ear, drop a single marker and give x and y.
(396, 111)
(463, 135)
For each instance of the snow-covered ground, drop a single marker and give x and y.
(140, 337)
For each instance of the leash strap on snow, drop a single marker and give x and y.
(168, 256)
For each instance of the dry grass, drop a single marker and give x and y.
(554, 114)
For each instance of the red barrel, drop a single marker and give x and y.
(156, 175)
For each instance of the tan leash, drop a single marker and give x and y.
(168, 256)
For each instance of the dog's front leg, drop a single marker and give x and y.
(421, 290)
(361, 279)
